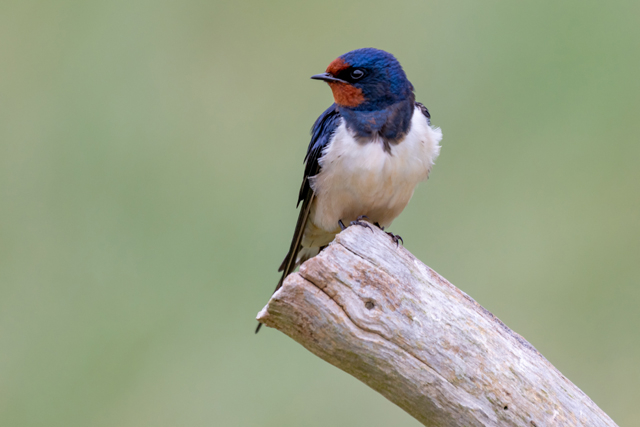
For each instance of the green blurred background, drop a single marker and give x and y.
(150, 157)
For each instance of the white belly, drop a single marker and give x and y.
(359, 178)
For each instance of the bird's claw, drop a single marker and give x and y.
(358, 221)
(396, 238)
(361, 223)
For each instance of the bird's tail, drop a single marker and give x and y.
(292, 260)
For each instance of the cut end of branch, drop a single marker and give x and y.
(263, 315)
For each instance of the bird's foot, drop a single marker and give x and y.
(396, 238)
(379, 226)
(359, 221)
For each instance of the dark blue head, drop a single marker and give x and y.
(367, 80)
(372, 93)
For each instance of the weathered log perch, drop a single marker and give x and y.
(373, 310)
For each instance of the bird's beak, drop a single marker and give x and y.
(327, 78)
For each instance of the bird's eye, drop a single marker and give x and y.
(357, 74)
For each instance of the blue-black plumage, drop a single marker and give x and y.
(368, 151)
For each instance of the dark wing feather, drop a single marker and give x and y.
(321, 133)
(424, 111)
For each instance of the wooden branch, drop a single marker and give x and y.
(373, 310)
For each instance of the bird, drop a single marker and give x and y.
(368, 152)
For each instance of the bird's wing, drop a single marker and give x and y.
(424, 111)
(321, 133)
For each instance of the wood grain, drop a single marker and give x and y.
(373, 310)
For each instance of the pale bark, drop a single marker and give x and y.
(372, 309)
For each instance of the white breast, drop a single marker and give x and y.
(360, 178)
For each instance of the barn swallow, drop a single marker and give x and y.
(368, 151)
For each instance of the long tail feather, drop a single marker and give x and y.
(289, 264)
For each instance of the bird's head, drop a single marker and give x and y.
(367, 80)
